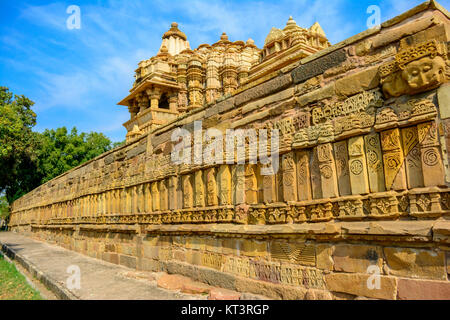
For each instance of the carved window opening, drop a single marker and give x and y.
(163, 102)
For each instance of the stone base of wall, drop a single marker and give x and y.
(289, 266)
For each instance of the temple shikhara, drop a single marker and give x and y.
(362, 189)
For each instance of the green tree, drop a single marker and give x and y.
(27, 158)
(4, 207)
(17, 144)
(60, 150)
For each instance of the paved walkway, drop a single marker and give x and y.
(99, 279)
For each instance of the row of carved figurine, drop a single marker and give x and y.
(386, 205)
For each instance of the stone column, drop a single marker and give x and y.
(374, 158)
(393, 159)
(187, 191)
(224, 177)
(173, 198)
(303, 176)
(142, 102)
(199, 189)
(239, 184)
(155, 197)
(327, 170)
(289, 177)
(316, 183)
(147, 198)
(173, 102)
(358, 166)
(251, 184)
(163, 192)
(342, 172)
(211, 187)
(411, 152)
(432, 166)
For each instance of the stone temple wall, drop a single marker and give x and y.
(362, 187)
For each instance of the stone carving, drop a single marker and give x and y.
(211, 188)
(357, 166)
(393, 157)
(327, 170)
(415, 69)
(289, 177)
(374, 160)
(362, 102)
(414, 175)
(432, 166)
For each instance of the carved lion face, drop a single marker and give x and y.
(424, 73)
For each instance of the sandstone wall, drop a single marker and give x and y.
(363, 183)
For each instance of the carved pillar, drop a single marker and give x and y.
(327, 170)
(358, 166)
(142, 102)
(199, 190)
(432, 166)
(394, 170)
(173, 102)
(147, 198)
(154, 95)
(411, 152)
(289, 177)
(211, 187)
(374, 160)
(212, 79)
(316, 183)
(155, 197)
(163, 192)
(173, 199)
(123, 201)
(239, 184)
(342, 172)
(182, 93)
(251, 184)
(187, 191)
(195, 82)
(303, 176)
(141, 200)
(224, 177)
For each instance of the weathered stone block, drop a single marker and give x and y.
(324, 258)
(416, 263)
(264, 89)
(318, 66)
(358, 82)
(443, 95)
(409, 289)
(127, 261)
(253, 248)
(357, 284)
(357, 258)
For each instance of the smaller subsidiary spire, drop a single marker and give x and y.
(316, 28)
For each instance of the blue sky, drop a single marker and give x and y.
(76, 77)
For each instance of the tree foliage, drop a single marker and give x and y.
(60, 150)
(17, 142)
(28, 158)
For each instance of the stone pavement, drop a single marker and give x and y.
(99, 279)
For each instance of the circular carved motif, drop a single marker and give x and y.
(326, 171)
(430, 157)
(356, 167)
(288, 179)
(393, 163)
(372, 157)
